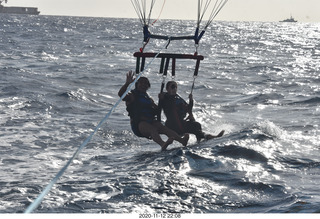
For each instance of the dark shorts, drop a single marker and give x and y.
(135, 129)
(195, 128)
(191, 127)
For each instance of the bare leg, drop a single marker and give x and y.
(171, 134)
(167, 143)
(149, 130)
(185, 139)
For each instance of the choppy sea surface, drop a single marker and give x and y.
(259, 82)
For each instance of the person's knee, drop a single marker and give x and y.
(193, 127)
(197, 125)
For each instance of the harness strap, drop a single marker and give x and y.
(194, 79)
(173, 73)
(166, 66)
(138, 65)
(161, 65)
(196, 37)
(143, 62)
(196, 70)
(160, 102)
(165, 61)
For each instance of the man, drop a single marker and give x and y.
(176, 109)
(142, 111)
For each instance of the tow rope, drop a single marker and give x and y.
(48, 188)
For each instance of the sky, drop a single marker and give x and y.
(235, 10)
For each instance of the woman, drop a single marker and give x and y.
(176, 110)
(142, 111)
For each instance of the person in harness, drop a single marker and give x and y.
(142, 112)
(176, 110)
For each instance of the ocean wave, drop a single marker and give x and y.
(237, 152)
(313, 101)
(79, 94)
(265, 69)
(259, 82)
(300, 163)
(260, 98)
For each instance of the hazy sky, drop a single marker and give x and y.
(235, 10)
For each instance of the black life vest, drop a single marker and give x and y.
(175, 108)
(142, 108)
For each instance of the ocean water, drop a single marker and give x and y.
(259, 82)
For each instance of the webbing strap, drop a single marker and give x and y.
(166, 66)
(196, 70)
(194, 80)
(138, 65)
(196, 37)
(165, 60)
(173, 72)
(143, 62)
(161, 65)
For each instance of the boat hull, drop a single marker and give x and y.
(19, 10)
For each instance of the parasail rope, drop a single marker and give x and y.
(138, 11)
(218, 5)
(150, 12)
(205, 8)
(48, 188)
(141, 8)
(164, 2)
(216, 10)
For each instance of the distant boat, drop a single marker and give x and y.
(291, 19)
(17, 10)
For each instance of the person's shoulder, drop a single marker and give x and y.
(149, 96)
(178, 96)
(167, 95)
(129, 97)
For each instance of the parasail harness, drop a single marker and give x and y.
(140, 7)
(203, 7)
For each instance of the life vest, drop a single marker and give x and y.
(175, 108)
(142, 108)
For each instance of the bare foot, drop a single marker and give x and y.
(185, 139)
(166, 144)
(208, 137)
(220, 134)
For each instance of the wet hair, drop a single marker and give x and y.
(169, 83)
(141, 79)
